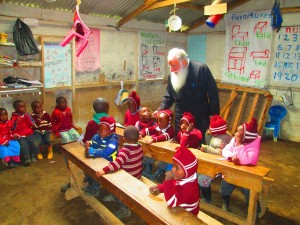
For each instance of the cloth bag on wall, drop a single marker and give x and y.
(287, 98)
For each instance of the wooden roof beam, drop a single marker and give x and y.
(190, 6)
(167, 3)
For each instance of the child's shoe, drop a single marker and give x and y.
(108, 198)
(123, 212)
(10, 164)
(33, 158)
(39, 156)
(27, 159)
(50, 152)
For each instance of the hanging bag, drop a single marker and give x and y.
(287, 98)
(276, 17)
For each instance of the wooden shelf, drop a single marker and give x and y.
(57, 88)
(9, 91)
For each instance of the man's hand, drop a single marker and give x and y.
(100, 173)
(154, 190)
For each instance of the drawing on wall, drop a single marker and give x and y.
(151, 55)
(248, 48)
(286, 58)
(57, 65)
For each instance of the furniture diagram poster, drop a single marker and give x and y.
(248, 48)
(57, 65)
(286, 58)
(151, 55)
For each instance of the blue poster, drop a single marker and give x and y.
(197, 48)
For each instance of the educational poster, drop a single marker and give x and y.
(151, 55)
(197, 48)
(248, 48)
(286, 58)
(88, 62)
(57, 65)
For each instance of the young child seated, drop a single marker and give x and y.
(216, 138)
(62, 122)
(129, 158)
(100, 106)
(163, 131)
(180, 187)
(22, 124)
(132, 113)
(9, 148)
(144, 122)
(243, 149)
(42, 128)
(188, 136)
(104, 144)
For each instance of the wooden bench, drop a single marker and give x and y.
(55, 139)
(132, 192)
(250, 177)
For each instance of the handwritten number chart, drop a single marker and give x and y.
(286, 58)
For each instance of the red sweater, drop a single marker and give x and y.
(22, 124)
(131, 119)
(61, 120)
(5, 132)
(158, 134)
(129, 158)
(42, 123)
(190, 140)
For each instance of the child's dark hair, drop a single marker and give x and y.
(100, 105)
(131, 134)
(59, 98)
(16, 103)
(2, 109)
(35, 103)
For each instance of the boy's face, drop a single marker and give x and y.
(62, 104)
(37, 108)
(239, 134)
(104, 130)
(21, 108)
(184, 125)
(177, 171)
(145, 114)
(131, 105)
(3, 116)
(163, 120)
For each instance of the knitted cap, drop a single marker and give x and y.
(250, 131)
(217, 125)
(135, 98)
(187, 160)
(188, 117)
(110, 121)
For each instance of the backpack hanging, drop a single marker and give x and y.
(23, 39)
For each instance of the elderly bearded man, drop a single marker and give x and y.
(192, 88)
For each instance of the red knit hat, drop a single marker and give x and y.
(250, 131)
(166, 111)
(187, 160)
(110, 121)
(188, 117)
(136, 99)
(217, 125)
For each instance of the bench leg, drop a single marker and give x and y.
(76, 181)
(251, 217)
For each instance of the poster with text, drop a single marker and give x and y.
(248, 48)
(151, 55)
(286, 58)
(57, 65)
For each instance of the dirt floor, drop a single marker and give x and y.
(31, 195)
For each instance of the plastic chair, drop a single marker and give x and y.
(276, 113)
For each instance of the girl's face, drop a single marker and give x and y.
(239, 134)
(62, 104)
(131, 105)
(145, 114)
(177, 171)
(163, 120)
(21, 108)
(184, 125)
(38, 108)
(3, 116)
(104, 130)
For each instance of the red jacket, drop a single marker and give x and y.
(131, 119)
(190, 140)
(5, 132)
(158, 134)
(22, 124)
(57, 120)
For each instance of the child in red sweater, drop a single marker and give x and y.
(181, 186)
(132, 113)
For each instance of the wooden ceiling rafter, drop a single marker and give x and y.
(191, 6)
(167, 3)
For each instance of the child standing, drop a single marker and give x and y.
(180, 187)
(22, 124)
(217, 138)
(62, 122)
(9, 149)
(104, 144)
(243, 149)
(132, 113)
(129, 158)
(100, 106)
(42, 127)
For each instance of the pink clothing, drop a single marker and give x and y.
(22, 124)
(131, 118)
(247, 153)
(191, 139)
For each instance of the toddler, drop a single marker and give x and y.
(100, 106)
(22, 124)
(132, 113)
(42, 127)
(9, 148)
(180, 187)
(217, 138)
(243, 149)
(129, 158)
(104, 144)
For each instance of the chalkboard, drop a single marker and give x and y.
(57, 65)
(286, 58)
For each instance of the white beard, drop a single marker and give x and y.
(179, 79)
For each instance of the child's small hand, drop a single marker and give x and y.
(169, 175)
(140, 137)
(202, 149)
(150, 141)
(100, 173)
(190, 127)
(154, 190)
(236, 160)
